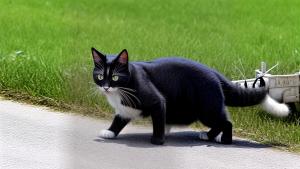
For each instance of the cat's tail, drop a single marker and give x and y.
(237, 96)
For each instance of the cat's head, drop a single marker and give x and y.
(110, 72)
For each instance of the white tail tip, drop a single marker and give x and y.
(273, 107)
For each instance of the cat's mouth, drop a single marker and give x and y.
(108, 90)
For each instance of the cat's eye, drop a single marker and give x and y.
(100, 77)
(115, 78)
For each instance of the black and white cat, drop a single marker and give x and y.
(173, 91)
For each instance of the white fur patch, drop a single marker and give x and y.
(273, 107)
(114, 100)
(107, 134)
(109, 90)
(203, 136)
(218, 139)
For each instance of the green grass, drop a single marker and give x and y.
(55, 39)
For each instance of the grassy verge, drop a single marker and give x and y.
(280, 133)
(45, 48)
(55, 104)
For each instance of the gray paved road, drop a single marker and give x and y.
(36, 138)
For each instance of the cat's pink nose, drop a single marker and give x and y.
(106, 88)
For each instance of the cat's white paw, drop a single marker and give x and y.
(203, 135)
(218, 138)
(107, 134)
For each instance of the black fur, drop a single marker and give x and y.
(181, 91)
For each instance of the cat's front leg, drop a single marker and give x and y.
(117, 125)
(158, 116)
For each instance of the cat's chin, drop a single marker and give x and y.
(107, 92)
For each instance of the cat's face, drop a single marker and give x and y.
(110, 72)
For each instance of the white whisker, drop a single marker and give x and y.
(128, 103)
(127, 92)
(93, 91)
(130, 99)
(124, 98)
(127, 89)
(123, 103)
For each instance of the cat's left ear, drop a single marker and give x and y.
(97, 56)
(123, 57)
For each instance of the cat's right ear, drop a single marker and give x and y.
(97, 56)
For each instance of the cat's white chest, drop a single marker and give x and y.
(114, 100)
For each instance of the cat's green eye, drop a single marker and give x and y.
(115, 78)
(100, 77)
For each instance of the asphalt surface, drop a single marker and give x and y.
(37, 138)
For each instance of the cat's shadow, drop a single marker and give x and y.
(176, 139)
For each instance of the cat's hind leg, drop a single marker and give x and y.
(226, 137)
(211, 135)
(220, 134)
